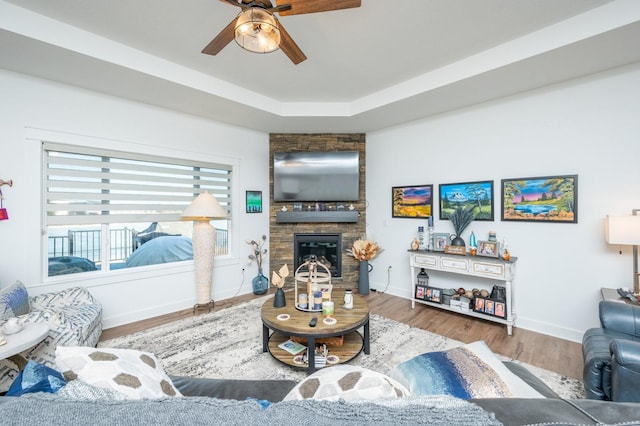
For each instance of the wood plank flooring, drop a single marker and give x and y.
(562, 356)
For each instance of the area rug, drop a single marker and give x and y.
(227, 343)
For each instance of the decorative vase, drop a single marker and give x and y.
(278, 299)
(363, 281)
(260, 283)
(457, 241)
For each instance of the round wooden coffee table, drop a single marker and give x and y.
(347, 323)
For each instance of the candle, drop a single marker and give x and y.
(302, 301)
(327, 308)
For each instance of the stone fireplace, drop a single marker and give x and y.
(282, 235)
(326, 247)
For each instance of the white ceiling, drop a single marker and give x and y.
(368, 68)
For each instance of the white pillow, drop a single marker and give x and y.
(138, 375)
(347, 382)
(469, 371)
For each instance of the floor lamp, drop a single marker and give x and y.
(201, 211)
(626, 230)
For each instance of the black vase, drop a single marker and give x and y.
(457, 241)
(279, 300)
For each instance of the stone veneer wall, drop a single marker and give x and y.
(281, 234)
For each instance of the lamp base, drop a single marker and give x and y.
(201, 306)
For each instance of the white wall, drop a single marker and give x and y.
(32, 108)
(589, 127)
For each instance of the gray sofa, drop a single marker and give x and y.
(612, 354)
(218, 401)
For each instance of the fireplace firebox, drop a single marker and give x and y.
(326, 247)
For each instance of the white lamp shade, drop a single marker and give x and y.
(622, 230)
(204, 207)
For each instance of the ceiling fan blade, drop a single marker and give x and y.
(289, 47)
(233, 2)
(298, 7)
(222, 39)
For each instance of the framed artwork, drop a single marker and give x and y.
(478, 196)
(254, 201)
(412, 201)
(440, 240)
(420, 292)
(500, 310)
(540, 199)
(488, 248)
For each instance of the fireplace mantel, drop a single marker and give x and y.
(347, 216)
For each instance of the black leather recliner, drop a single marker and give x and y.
(612, 354)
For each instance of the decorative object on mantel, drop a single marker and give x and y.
(277, 279)
(260, 282)
(364, 251)
(201, 211)
(460, 219)
(626, 230)
(6, 182)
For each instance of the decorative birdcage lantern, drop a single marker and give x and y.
(312, 285)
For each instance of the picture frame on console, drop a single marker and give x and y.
(420, 292)
(540, 199)
(440, 240)
(414, 202)
(434, 295)
(500, 310)
(488, 249)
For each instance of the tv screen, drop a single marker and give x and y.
(316, 176)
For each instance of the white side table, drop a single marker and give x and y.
(29, 336)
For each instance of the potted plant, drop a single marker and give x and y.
(460, 219)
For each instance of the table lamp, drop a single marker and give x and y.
(201, 211)
(626, 230)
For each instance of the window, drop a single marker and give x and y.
(107, 210)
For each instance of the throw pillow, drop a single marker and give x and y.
(14, 301)
(469, 371)
(36, 377)
(136, 374)
(347, 382)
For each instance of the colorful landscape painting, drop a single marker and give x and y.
(541, 199)
(412, 201)
(478, 196)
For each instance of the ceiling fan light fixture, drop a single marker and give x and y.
(257, 30)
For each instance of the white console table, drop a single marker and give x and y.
(476, 266)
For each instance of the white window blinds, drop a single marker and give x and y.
(88, 185)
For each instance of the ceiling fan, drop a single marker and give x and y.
(258, 30)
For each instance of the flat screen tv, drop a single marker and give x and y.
(316, 176)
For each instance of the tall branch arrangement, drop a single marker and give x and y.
(258, 252)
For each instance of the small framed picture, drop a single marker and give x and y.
(489, 306)
(420, 292)
(478, 304)
(435, 295)
(488, 248)
(440, 240)
(500, 310)
(254, 201)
